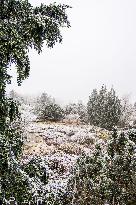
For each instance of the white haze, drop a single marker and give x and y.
(99, 48)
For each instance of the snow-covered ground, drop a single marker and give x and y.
(59, 144)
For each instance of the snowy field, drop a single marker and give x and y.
(60, 145)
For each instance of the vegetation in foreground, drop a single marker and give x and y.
(108, 176)
(22, 27)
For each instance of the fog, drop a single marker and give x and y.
(99, 48)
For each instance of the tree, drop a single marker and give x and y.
(41, 102)
(47, 109)
(82, 112)
(22, 27)
(134, 113)
(52, 112)
(79, 110)
(16, 97)
(104, 108)
(127, 111)
(71, 109)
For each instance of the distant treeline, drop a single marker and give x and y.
(104, 109)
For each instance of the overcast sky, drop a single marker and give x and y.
(99, 48)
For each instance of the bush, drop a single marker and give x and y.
(78, 109)
(47, 109)
(104, 108)
(127, 112)
(53, 112)
(34, 168)
(108, 176)
(11, 141)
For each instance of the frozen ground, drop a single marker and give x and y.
(60, 145)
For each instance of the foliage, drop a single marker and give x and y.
(22, 27)
(104, 108)
(35, 168)
(71, 109)
(77, 109)
(41, 102)
(82, 112)
(16, 97)
(108, 176)
(52, 112)
(127, 112)
(11, 140)
(47, 109)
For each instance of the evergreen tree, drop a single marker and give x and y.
(79, 110)
(71, 109)
(41, 102)
(16, 97)
(92, 107)
(113, 110)
(127, 112)
(47, 109)
(22, 27)
(104, 108)
(82, 112)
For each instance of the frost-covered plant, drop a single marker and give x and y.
(36, 168)
(82, 112)
(16, 97)
(108, 176)
(127, 112)
(104, 108)
(47, 109)
(42, 101)
(77, 109)
(22, 27)
(12, 183)
(71, 109)
(52, 112)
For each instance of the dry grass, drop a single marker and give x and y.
(71, 148)
(41, 144)
(37, 145)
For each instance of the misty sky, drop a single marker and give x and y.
(99, 48)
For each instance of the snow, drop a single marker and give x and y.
(58, 144)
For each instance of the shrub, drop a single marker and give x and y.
(78, 109)
(36, 167)
(52, 112)
(47, 109)
(127, 112)
(104, 108)
(108, 176)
